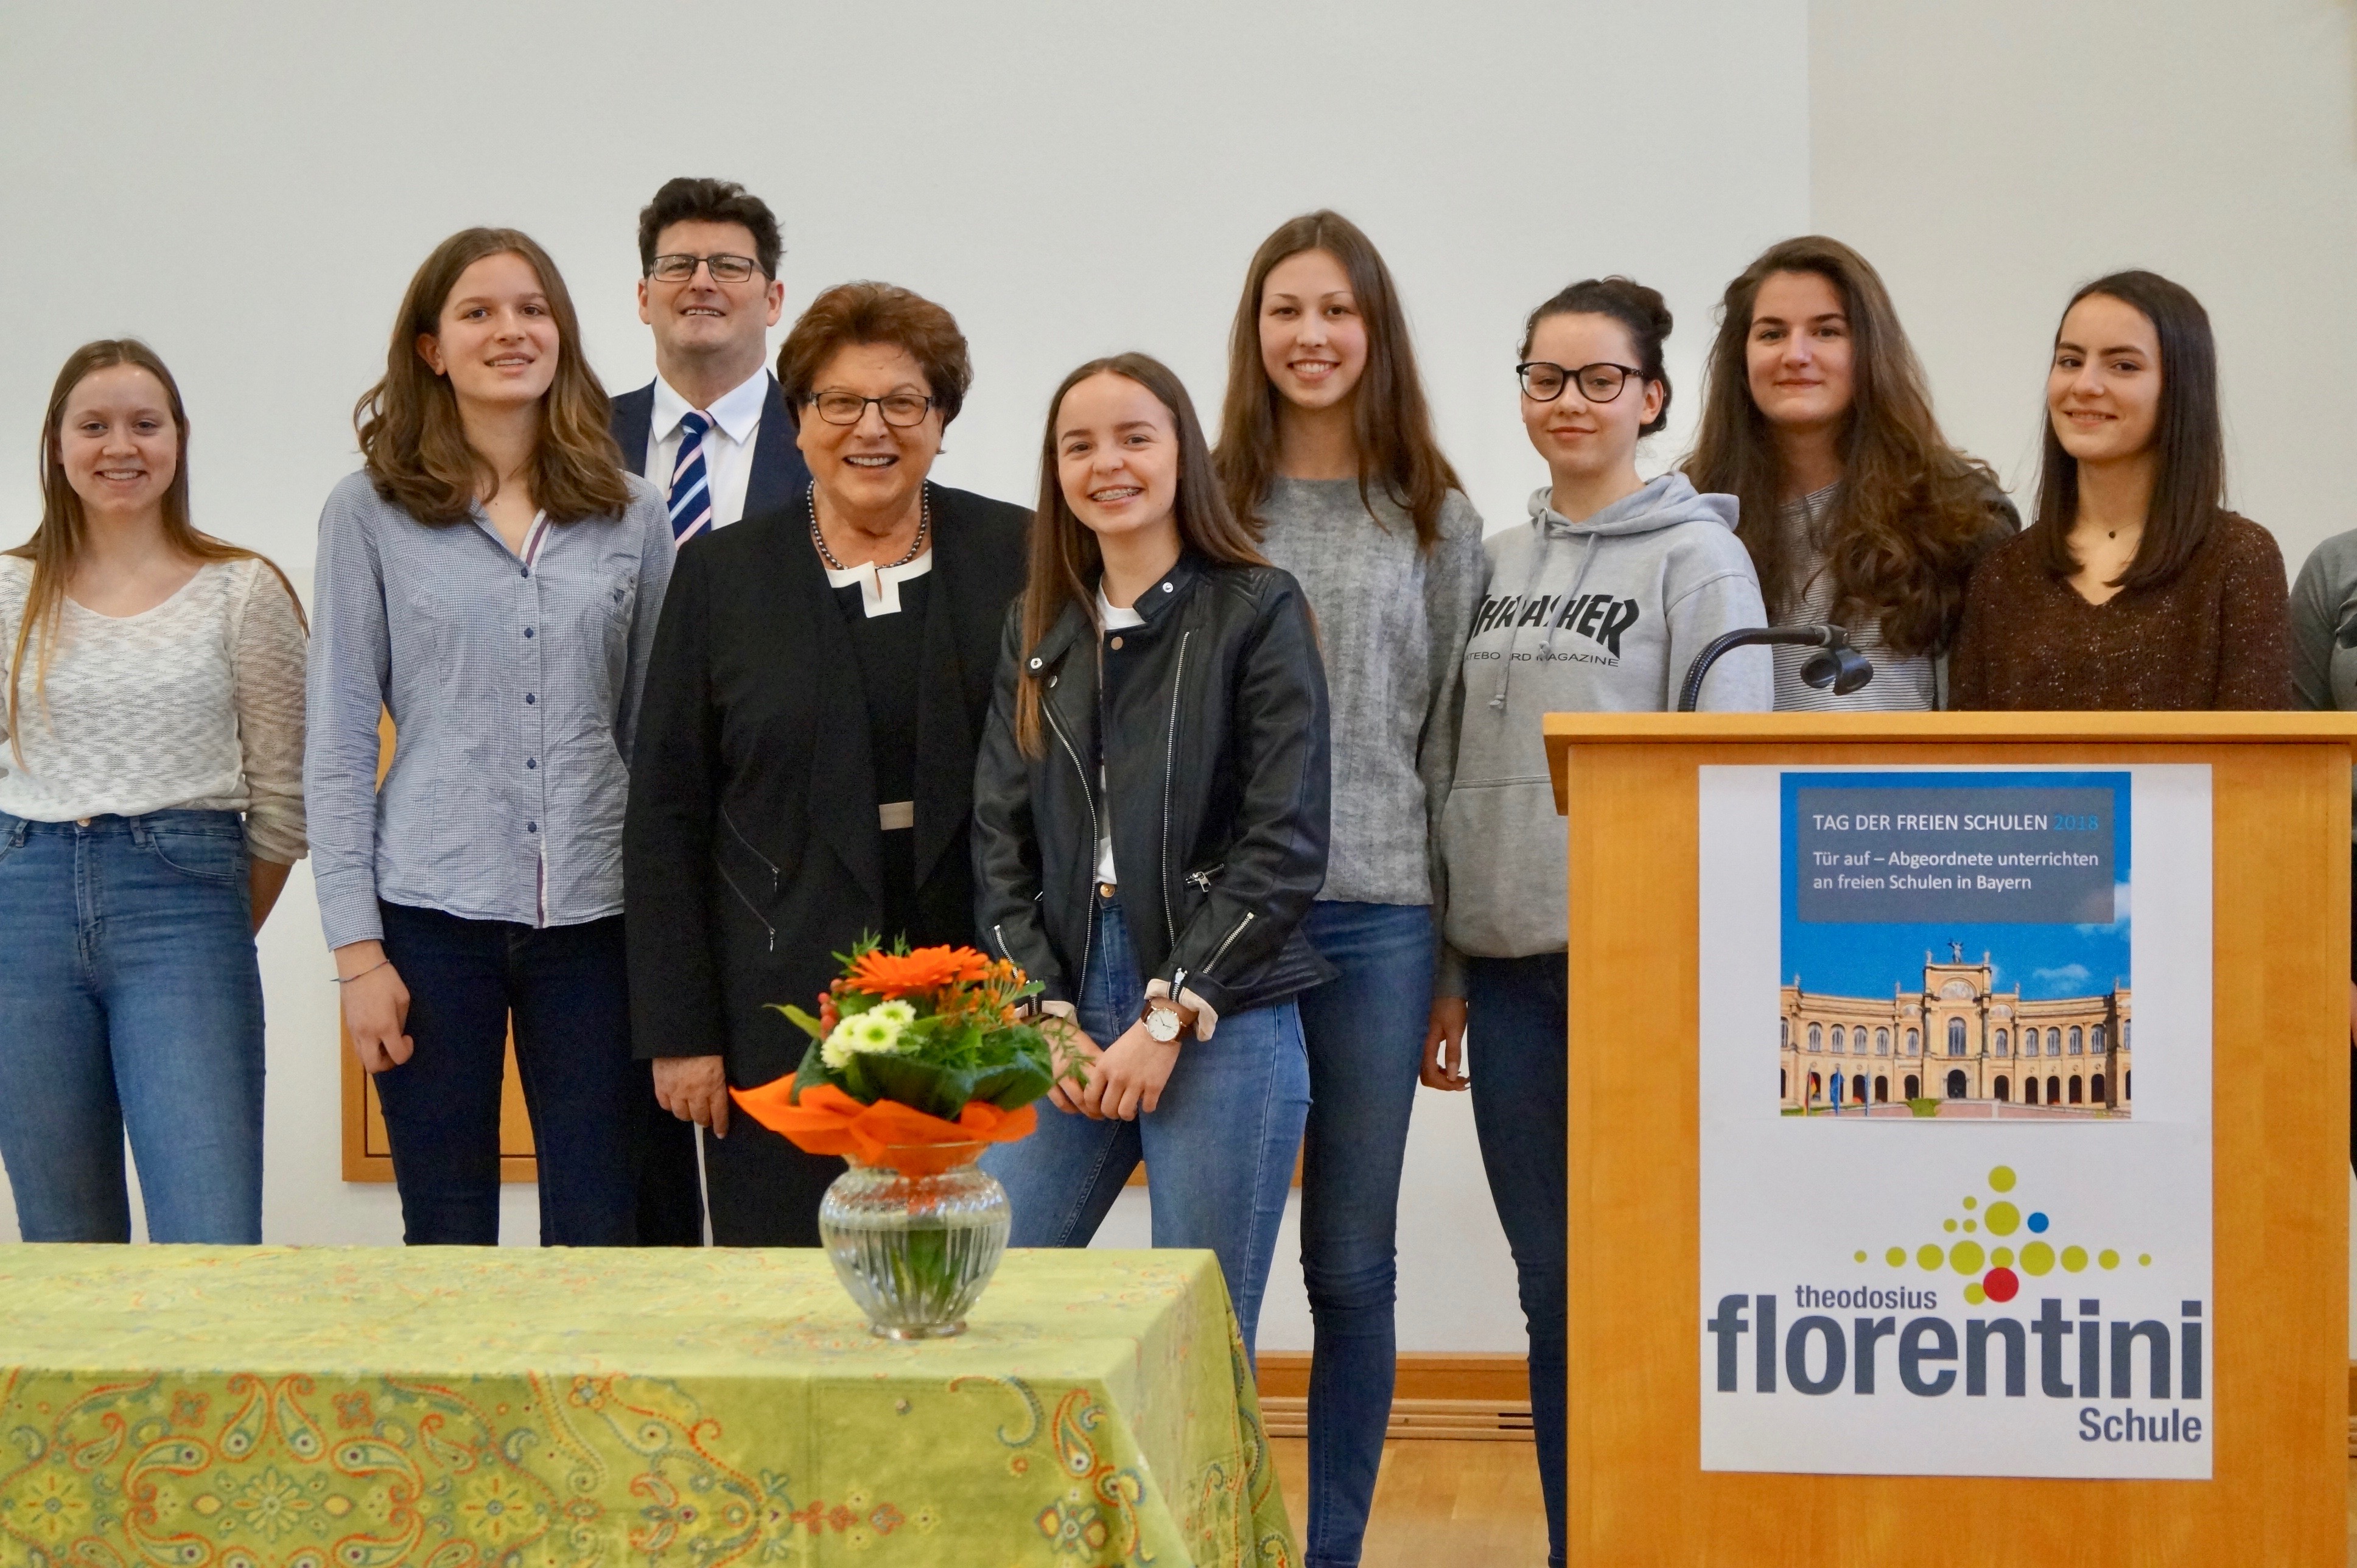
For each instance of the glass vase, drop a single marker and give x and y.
(914, 1235)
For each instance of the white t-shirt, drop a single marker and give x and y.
(1114, 618)
(728, 446)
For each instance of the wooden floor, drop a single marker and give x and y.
(1438, 1503)
(2353, 1509)
(1473, 1502)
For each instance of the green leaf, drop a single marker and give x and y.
(812, 1071)
(1013, 1085)
(800, 1020)
(930, 1087)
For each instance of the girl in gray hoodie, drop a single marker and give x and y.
(1598, 605)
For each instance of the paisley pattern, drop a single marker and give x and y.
(340, 1408)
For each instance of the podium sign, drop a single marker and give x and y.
(1739, 880)
(2000, 1261)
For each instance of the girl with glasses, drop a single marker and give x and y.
(1600, 603)
(1327, 454)
(1855, 508)
(150, 807)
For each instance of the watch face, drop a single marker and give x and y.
(1162, 1025)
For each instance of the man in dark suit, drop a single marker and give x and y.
(708, 285)
(711, 432)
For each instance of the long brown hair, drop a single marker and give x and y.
(57, 544)
(1391, 423)
(1065, 559)
(1913, 513)
(2189, 483)
(415, 448)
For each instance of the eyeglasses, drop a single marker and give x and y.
(725, 268)
(899, 409)
(1543, 382)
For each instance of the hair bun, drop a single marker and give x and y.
(1640, 310)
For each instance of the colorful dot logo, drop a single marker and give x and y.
(1995, 1270)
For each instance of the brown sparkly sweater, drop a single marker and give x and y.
(2217, 636)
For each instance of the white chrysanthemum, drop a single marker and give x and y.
(876, 1030)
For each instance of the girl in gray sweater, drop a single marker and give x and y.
(1327, 447)
(1598, 603)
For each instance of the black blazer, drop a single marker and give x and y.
(780, 476)
(751, 848)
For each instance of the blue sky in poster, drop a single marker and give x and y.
(1851, 959)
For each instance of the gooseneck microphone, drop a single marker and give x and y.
(1835, 664)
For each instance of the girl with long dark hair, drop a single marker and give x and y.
(1327, 453)
(2134, 588)
(1150, 828)
(492, 577)
(150, 807)
(1855, 508)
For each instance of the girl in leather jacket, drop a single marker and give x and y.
(1150, 828)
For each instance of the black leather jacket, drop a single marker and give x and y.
(1214, 750)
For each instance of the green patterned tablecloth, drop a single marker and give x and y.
(454, 1408)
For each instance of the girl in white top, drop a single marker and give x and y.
(150, 807)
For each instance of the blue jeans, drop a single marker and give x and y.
(1517, 1012)
(566, 987)
(129, 999)
(1220, 1143)
(1365, 1031)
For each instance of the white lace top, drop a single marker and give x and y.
(194, 705)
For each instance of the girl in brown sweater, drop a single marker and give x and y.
(2136, 588)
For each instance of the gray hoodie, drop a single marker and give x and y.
(1600, 616)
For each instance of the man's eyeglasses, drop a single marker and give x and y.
(1543, 382)
(899, 409)
(725, 268)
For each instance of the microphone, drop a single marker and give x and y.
(1835, 664)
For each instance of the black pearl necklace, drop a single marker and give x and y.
(916, 548)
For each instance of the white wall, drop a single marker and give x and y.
(249, 186)
(1990, 158)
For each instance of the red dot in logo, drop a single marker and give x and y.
(2000, 1284)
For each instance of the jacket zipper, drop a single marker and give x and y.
(1170, 766)
(1201, 880)
(1088, 793)
(1222, 949)
(756, 854)
(749, 906)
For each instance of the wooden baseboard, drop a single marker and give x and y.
(1474, 1395)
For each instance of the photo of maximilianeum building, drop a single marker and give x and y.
(1978, 1051)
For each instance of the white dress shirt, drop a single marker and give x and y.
(728, 446)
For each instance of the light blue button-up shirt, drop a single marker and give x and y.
(513, 686)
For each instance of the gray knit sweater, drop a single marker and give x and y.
(1392, 623)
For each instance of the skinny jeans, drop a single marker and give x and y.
(1220, 1143)
(130, 1002)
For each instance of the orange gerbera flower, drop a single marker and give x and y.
(926, 970)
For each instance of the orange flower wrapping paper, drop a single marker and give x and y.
(825, 1121)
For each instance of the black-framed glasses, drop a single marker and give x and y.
(900, 409)
(1543, 381)
(726, 268)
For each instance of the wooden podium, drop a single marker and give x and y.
(1637, 1494)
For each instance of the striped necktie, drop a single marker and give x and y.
(691, 491)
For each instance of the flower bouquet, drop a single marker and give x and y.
(918, 1062)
